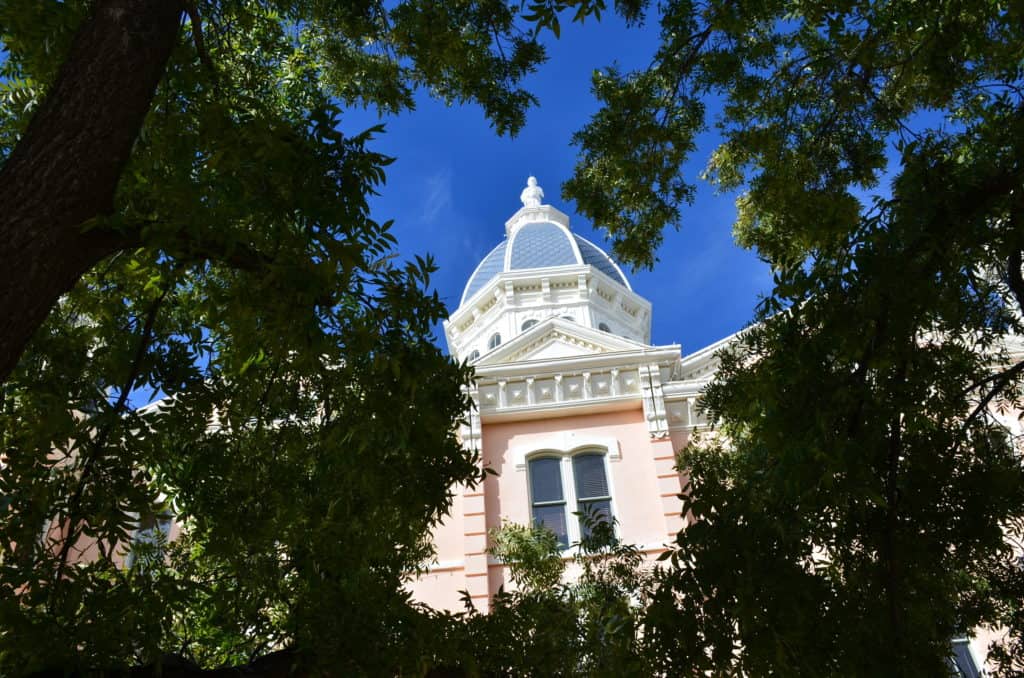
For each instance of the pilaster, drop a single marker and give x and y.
(654, 401)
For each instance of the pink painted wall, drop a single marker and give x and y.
(644, 486)
(448, 536)
(439, 588)
(634, 482)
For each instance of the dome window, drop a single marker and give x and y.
(528, 324)
(474, 356)
(604, 327)
(494, 341)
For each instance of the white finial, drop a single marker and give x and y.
(532, 194)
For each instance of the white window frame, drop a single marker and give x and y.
(149, 535)
(565, 457)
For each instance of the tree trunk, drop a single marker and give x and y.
(65, 169)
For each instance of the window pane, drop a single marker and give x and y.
(590, 478)
(553, 518)
(545, 480)
(963, 662)
(599, 511)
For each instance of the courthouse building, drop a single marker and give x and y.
(576, 410)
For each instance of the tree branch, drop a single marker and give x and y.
(231, 253)
(199, 40)
(100, 442)
(1001, 379)
(64, 170)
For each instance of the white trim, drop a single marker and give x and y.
(575, 246)
(604, 343)
(565, 444)
(630, 401)
(665, 356)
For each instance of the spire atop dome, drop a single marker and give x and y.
(532, 194)
(534, 210)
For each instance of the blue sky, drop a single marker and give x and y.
(455, 182)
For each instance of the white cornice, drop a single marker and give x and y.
(661, 355)
(569, 272)
(630, 401)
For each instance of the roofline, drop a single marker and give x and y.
(527, 273)
(462, 300)
(607, 256)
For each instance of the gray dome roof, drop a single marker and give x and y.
(541, 245)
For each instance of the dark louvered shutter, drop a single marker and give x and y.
(591, 481)
(545, 480)
(548, 498)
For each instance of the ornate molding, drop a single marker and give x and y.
(565, 442)
(654, 401)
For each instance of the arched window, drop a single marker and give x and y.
(474, 356)
(604, 327)
(562, 487)
(494, 341)
(528, 324)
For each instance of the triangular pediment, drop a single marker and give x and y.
(556, 338)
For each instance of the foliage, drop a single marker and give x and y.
(860, 493)
(543, 626)
(812, 96)
(305, 502)
(305, 431)
(532, 554)
(862, 490)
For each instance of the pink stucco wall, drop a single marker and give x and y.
(644, 487)
(634, 477)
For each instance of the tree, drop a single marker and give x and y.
(120, 131)
(862, 500)
(861, 495)
(184, 218)
(589, 626)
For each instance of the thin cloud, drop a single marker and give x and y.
(438, 195)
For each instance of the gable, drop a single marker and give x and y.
(557, 338)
